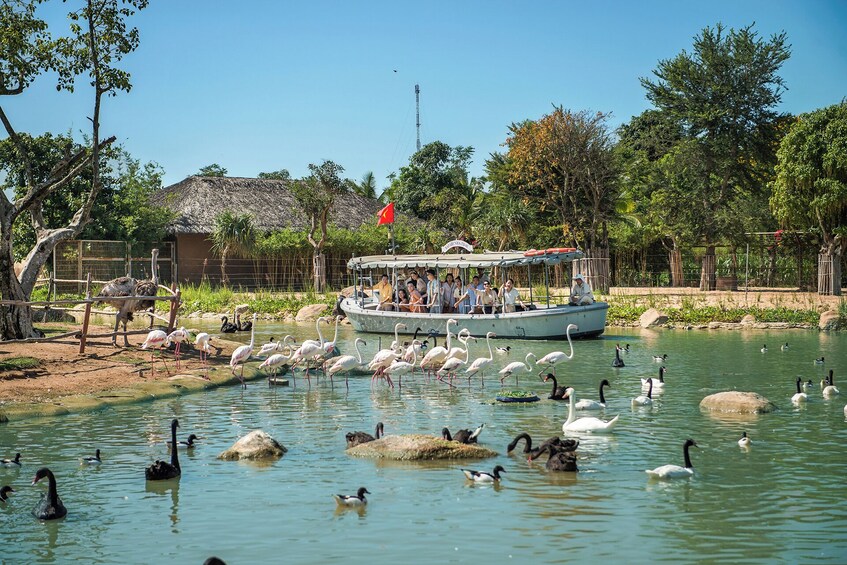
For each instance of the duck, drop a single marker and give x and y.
(553, 358)
(830, 389)
(558, 392)
(642, 400)
(675, 471)
(4, 493)
(808, 385)
(618, 362)
(91, 460)
(800, 396)
(533, 452)
(268, 347)
(358, 438)
(764, 348)
(660, 358)
(819, 361)
(483, 477)
(503, 350)
(357, 500)
(227, 327)
(559, 459)
(784, 347)
(13, 463)
(187, 444)
(626, 348)
(657, 383)
(516, 367)
(586, 404)
(744, 441)
(162, 470)
(588, 423)
(50, 506)
(462, 436)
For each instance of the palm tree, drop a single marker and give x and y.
(367, 187)
(234, 234)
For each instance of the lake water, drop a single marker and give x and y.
(780, 501)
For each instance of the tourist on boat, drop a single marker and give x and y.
(462, 297)
(433, 293)
(581, 292)
(448, 288)
(420, 284)
(402, 300)
(386, 294)
(416, 301)
(483, 278)
(487, 299)
(510, 296)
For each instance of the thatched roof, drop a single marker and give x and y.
(197, 200)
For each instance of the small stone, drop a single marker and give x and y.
(255, 445)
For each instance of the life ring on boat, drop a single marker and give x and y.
(534, 253)
(529, 252)
(554, 250)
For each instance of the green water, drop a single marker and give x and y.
(780, 501)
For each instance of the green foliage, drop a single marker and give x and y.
(18, 363)
(204, 298)
(316, 194)
(281, 174)
(233, 235)
(367, 187)
(691, 313)
(213, 170)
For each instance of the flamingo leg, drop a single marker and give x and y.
(162, 356)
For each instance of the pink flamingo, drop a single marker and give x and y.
(157, 339)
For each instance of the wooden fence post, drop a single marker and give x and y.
(87, 314)
(174, 307)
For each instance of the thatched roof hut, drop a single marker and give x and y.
(198, 200)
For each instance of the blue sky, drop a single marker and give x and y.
(263, 85)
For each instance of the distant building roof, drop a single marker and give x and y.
(198, 200)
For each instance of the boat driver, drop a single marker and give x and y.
(581, 292)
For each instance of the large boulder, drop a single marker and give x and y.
(241, 309)
(652, 317)
(417, 447)
(748, 319)
(828, 320)
(310, 313)
(739, 402)
(255, 445)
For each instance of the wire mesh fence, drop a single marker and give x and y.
(107, 260)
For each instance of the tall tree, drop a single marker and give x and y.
(316, 194)
(810, 189)
(233, 235)
(723, 94)
(98, 40)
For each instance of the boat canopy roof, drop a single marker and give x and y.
(447, 261)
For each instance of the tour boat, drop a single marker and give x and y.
(541, 320)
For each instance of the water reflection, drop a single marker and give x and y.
(163, 488)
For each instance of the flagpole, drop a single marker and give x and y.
(391, 233)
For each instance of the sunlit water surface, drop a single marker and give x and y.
(782, 500)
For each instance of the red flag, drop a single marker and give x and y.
(386, 215)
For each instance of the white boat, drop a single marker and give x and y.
(542, 320)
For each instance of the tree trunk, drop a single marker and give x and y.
(675, 259)
(319, 269)
(707, 270)
(15, 321)
(829, 268)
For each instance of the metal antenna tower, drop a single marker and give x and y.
(418, 112)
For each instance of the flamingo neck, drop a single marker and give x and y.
(358, 352)
(252, 334)
(526, 361)
(570, 343)
(490, 353)
(335, 337)
(320, 335)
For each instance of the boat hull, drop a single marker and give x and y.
(543, 323)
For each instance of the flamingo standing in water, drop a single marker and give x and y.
(436, 356)
(553, 358)
(481, 363)
(347, 363)
(385, 357)
(515, 368)
(242, 354)
(157, 339)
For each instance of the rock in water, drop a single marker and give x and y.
(828, 320)
(739, 402)
(652, 317)
(310, 313)
(255, 445)
(416, 447)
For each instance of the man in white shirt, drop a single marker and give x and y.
(581, 292)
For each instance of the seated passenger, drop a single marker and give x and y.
(487, 300)
(415, 298)
(581, 292)
(386, 294)
(402, 300)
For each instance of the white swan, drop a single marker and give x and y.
(800, 396)
(586, 424)
(553, 358)
(657, 383)
(675, 471)
(642, 400)
(829, 390)
(481, 363)
(586, 404)
(516, 368)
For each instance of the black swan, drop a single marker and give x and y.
(618, 362)
(228, 327)
(462, 436)
(187, 444)
(50, 506)
(4, 493)
(558, 392)
(92, 460)
(243, 327)
(352, 500)
(16, 462)
(560, 459)
(356, 438)
(533, 452)
(214, 561)
(162, 470)
(483, 477)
